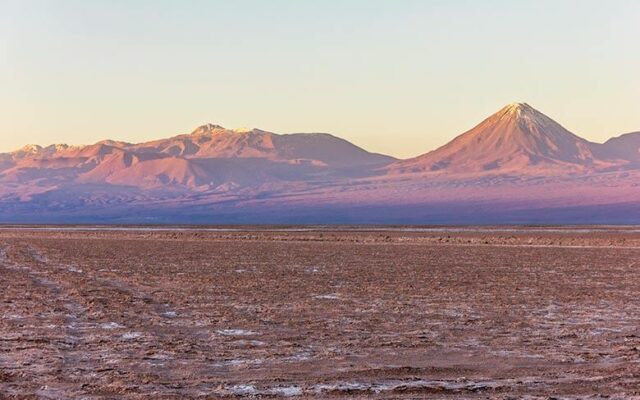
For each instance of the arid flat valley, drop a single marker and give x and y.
(319, 312)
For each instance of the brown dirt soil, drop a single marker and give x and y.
(343, 313)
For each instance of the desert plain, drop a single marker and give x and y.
(319, 312)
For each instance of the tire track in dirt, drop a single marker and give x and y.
(141, 339)
(60, 309)
(76, 353)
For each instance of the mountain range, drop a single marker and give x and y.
(516, 166)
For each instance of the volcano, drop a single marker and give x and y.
(517, 138)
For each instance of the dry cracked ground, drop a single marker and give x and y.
(350, 313)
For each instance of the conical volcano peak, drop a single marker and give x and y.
(519, 110)
(517, 107)
(522, 114)
(516, 138)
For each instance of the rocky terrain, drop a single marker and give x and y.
(352, 312)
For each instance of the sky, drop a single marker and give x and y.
(399, 77)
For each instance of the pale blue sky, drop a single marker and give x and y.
(398, 77)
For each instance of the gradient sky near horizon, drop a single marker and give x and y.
(397, 77)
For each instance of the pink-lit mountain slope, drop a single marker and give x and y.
(517, 139)
(213, 141)
(208, 157)
(624, 147)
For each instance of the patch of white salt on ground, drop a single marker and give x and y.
(246, 390)
(131, 336)
(285, 391)
(12, 317)
(327, 297)
(390, 386)
(111, 325)
(237, 363)
(243, 390)
(252, 343)
(236, 332)
(169, 314)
